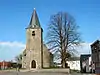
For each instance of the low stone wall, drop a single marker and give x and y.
(59, 70)
(65, 70)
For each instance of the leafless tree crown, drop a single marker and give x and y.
(62, 34)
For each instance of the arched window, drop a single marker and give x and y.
(33, 33)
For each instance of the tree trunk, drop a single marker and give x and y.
(63, 63)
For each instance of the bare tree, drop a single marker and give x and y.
(62, 35)
(18, 59)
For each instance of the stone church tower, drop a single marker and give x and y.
(36, 54)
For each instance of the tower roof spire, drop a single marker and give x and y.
(34, 22)
(34, 8)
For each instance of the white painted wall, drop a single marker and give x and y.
(74, 65)
(90, 60)
(87, 63)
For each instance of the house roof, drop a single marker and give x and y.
(97, 41)
(24, 52)
(85, 57)
(74, 59)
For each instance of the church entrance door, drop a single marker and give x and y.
(33, 64)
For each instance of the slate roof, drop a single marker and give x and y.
(34, 22)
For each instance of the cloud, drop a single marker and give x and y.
(84, 48)
(8, 50)
(12, 44)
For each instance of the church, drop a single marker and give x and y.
(36, 55)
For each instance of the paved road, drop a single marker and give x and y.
(37, 73)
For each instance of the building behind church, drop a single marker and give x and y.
(95, 50)
(36, 54)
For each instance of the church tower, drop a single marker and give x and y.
(34, 43)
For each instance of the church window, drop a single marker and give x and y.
(24, 54)
(33, 33)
